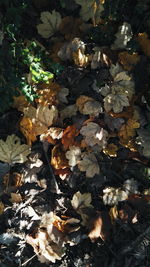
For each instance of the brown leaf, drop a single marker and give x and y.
(127, 214)
(144, 43)
(58, 158)
(100, 226)
(128, 130)
(111, 150)
(128, 113)
(69, 134)
(69, 27)
(27, 127)
(48, 93)
(128, 60)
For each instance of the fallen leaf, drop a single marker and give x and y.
(100, 226)
(143, 140)
(144, 42)
(15, 198)
(90, 9)
(20, 102)
(130, 144)
(50, 23)
(67, 50)
(62, 95)
(68, 112)
(48, 93)
(58, 158)
(113, 195)
(12, 151)
(128, 130)
(69, 134)
(1, 208)
(89, 165)
(123, 36)
(111, 150)
(80, 58)
(81, 101)
(94, 134)
(41, 118)
(116, 102)
(69, 27)
(52, 134)
(27, 127)
(73, 155)
(128, 60)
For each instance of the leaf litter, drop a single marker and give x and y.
(63, 194)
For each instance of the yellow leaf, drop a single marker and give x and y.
(111, 150)
(130, 144)
(127, 60)
(128, 130)
(144, 43)
(1, 208)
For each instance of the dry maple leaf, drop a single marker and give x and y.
(20, 102)
(113, 195)
(89, 165)
(123, 36)
(73, 155)
(27, 127)
(42, 117)
(128, 60)
(128, 130)
(1, 208)
(100, 226)
(82, 204)
(80, 58)
(69, 134)
(90, 9)
(67, 50)
(52, 134)
(144, 43)
(12, 151)
(50, 23)
(70, 27)
(48, 93)
(94, 134)
(111, 150)
(58, 158)
(81, 101)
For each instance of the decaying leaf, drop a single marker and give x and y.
(62, 95)
(58, 158)
(50, 239)
(113, 195)
(73, 155)
(28, 129)
(12, 151)
(41, 118)
(144, 42)
(143, 140)
(123, 36)
(20, 102)
(89, 165)
(128, 130)
(48, 93)
(52, 134)
(70, 27)
(90, 9)
(69, 134)
(100, 226)
(67, 50)
(82, 204)
(111, 150)
(94, 134)
(1, 208)
(81, 101)
(128, 60)
(116, 102)
(15, 198)
(80, 58)
(130, 144)
(50, 23)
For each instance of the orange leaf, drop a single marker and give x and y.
(69, 134)
(58, 158)
(27, 128)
